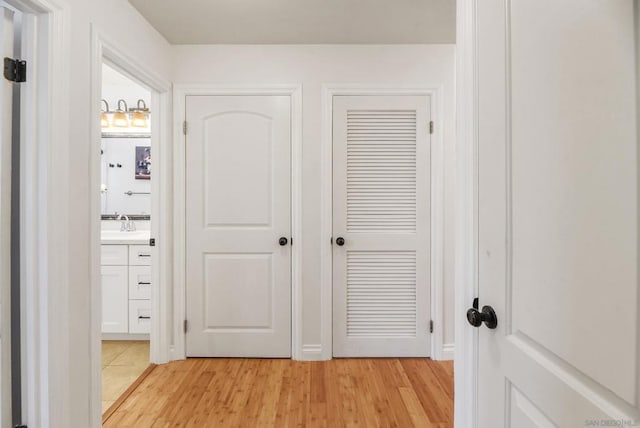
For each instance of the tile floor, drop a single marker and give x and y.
(122, 363)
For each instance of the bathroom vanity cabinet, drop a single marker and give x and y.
(126, 288)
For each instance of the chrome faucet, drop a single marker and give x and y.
(124, 227)
(127, 225)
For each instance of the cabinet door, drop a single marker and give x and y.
(115, 299)
(114, 255)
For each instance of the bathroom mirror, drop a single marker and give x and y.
(125, 161)
(126, 175)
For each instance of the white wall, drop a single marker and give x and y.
(312, 66)
(69, 351)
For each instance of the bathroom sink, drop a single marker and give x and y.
(118, 237)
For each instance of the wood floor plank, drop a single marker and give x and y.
(238, 392)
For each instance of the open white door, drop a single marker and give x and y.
(6, 117)
(558, 213)
(238, 151)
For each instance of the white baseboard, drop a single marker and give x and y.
(311, 353)
(448, 351)
(124, 336)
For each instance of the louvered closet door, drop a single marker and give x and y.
(381, 195)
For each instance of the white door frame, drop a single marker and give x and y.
(437, 171)
(104, 50)
(45, 42)
(466, 226)
(180, 93)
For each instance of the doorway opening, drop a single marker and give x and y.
(125, 232)
(129, 217)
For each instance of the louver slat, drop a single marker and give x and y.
(381, 171)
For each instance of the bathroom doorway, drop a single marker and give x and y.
(125, 233)
(130, 221)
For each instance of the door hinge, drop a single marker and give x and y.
(184, 327)
(430, 326)
(15, 70)
(184, 127)
(431, 127)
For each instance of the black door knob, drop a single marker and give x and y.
(487, 316)
(283, 241)
(340, 241)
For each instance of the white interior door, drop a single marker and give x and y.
(558, 213)
(238, 175)
(381, 226)
(6, 96)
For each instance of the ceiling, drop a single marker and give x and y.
(301, 21)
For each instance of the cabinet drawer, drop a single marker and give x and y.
(139, 255)
(140, 282)
(139, 316)
(114, 255)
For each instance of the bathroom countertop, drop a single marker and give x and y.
(115, 237)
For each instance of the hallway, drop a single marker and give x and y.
(284, 393)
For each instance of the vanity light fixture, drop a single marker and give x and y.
(139, 114)
(120, 118)
(104, 118)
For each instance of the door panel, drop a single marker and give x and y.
(238, 206)
(244, 136)
(558, 212)
(381, 209)
(234, 280)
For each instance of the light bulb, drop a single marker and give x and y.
(139, 119)
(120, 119)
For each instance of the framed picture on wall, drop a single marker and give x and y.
(143, 163)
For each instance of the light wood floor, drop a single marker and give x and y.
(284, 393)
(122, 363)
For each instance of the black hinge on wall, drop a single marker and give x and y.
(431, 127)
(184, 127)
(15, 70)
(430, 326)
(185, 326)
